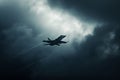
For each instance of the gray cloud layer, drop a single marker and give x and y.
(97, 9)
(98, 55)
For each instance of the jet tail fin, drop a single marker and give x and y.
(49, 39)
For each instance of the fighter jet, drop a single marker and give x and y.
(57, 41)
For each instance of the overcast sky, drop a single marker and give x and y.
(91, 28)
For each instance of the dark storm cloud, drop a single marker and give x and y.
(13, 25)
(15, 33)
(98, 55)
(103, 61)
(103, 36)
(96, 9)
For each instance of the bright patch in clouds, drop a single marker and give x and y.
(58, 21)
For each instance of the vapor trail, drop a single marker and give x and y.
(26, 51)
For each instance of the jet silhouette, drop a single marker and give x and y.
(57, 41)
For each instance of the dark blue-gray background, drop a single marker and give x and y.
(98, 55)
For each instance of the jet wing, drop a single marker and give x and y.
(60, 37)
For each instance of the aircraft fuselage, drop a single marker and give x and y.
(56, 41)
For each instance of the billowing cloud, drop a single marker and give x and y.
(106, 10)
(58, 21)
(93, 47)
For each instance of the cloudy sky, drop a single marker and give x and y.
(91, 28)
